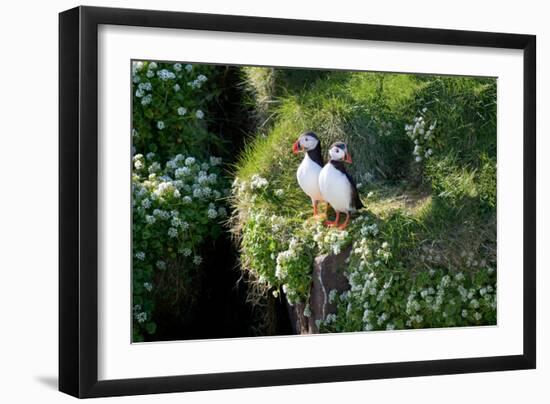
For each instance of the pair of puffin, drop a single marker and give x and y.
(327, 182)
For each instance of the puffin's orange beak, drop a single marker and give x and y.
(348, 158)
(296, 147)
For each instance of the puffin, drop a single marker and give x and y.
(337, 186)
(312, 164)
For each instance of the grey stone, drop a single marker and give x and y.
(327, 274)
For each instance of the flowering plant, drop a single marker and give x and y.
(175, 209)
(422, 135)
(170, 101)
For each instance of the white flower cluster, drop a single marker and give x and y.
(385, 128)
(136, 67)
(330, 240)
(139, 315)
(258, 183)
(139, 161)
(143, 88)
(184, 180)
(215, 161)
(165, 75)
(368, 255)
(198, 82)
(421, 136)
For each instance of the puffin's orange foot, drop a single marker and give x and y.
(345, 224)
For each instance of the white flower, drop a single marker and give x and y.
(149, 74)
(215, 161)
(212, 213)
(146, 203)
(155, 167)
(188, 68)
(141, 317)
(172, 232)
(140, 255)
(477, 316)
(147, 86)
(161, 264)
(332, 296)
(464, 313)
(197, 259)
(176, 87)
(182, 172)
(279, 192)
(187, 199)
(199, 114)
(164, 188)
(212, 178)
(177, 67)
(165, 74)
(176, 221)
(307, 311)
(137, 66)
(189, 161)
(149, 219)
(182, 111)
(152, 65)
(258, 182)
(160, 125)
(148, 286)
(147, 99)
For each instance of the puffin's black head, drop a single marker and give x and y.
(339, 152)
(306, 142)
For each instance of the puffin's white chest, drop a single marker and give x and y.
(308, 178)
(335, 188)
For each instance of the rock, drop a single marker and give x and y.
(327, 275)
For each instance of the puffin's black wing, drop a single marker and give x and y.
(355, 200)
(354, 193)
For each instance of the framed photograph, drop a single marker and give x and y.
(251, 201)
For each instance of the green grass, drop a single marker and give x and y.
(437, 216)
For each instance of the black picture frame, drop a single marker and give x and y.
(78, 201)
